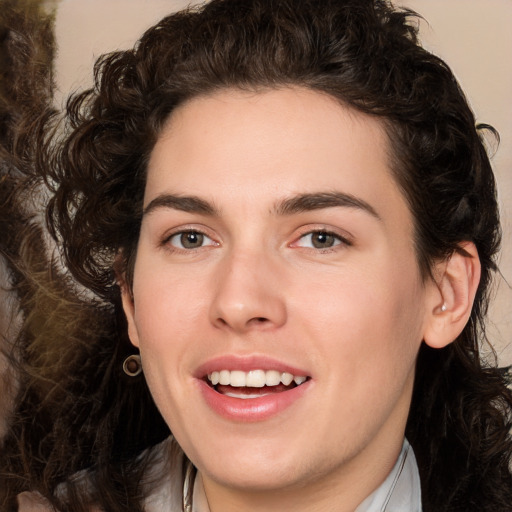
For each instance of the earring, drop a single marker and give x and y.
(132, 365)
(443, 308)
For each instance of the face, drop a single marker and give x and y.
(277, 300)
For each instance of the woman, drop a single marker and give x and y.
(298, 215)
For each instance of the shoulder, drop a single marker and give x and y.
(163, 482)
(33, 502)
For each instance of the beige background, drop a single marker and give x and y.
(473, 36)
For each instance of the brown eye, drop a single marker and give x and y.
(320, 240)
(190, 240)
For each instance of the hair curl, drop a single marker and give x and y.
(366, 54)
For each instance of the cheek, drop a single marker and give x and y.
(171, 316)
(167, 303)
(371, 318)
(166, 315)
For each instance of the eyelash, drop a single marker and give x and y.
(339, 240)
(168, 240)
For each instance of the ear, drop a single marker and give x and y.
(456, 280)
(128, 307)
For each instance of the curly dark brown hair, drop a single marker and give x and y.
(366, 54)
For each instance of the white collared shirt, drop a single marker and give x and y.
(401, 491)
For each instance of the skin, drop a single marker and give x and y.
(352, 315)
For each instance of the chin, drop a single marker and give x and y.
(249, 478)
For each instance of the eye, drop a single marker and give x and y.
(190, 240)
(320, 240)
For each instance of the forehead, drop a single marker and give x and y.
(239, 148)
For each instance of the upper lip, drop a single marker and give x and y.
(246, 364)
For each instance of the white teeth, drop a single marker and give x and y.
(272, 378)
(238, 379)
(225, 377)
(286, 378)
(245, 397)
(254, 378)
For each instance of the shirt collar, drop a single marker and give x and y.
(401, 491)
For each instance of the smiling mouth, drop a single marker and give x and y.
(254, 383)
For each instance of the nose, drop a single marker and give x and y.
(248, 294)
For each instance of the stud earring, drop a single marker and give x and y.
(132, 365)
(443, 308)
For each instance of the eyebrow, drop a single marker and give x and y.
(318, 201)
(297, 204)
(191, 204)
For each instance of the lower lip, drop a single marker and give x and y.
(251, 409)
